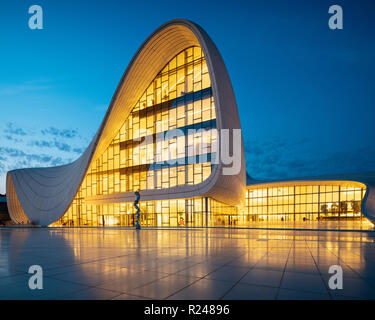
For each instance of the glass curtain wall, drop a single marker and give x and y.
(169, 139)
(304, 203)
(194, 212)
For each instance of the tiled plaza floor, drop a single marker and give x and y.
(94, 263)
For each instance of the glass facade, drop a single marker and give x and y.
(195, 212)
(299, 203)
(305, 203)
(168, 140)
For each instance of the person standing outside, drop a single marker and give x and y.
(137, 198)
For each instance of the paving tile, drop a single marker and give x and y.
(263, 277)
(126, 284)
(94, 279)
(355, 287)
(302, 267)
(125, 296)
(14, 279)
(52, 289)
(80, 268)
(243, 291)
(228, 273)
(199, 270)
(286, 294)
(169, 267)
(90, 294)
(6, 272)
(203, 289)
(303, 282)
(276, 264)
(95, 263)
(163, 288)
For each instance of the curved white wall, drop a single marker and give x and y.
(42, 195)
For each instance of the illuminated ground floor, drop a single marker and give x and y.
(296, 205)
(328, 201)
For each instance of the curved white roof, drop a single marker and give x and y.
(42, 195)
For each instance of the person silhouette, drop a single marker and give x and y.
(137, 198)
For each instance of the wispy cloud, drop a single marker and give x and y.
(63, 133)
(12, 138)
(62, 146)
(37, 147)
(13, 130)
(278, 159)
(20, 155)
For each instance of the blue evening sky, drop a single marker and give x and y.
(305, 93)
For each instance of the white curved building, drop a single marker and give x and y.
(160, 135)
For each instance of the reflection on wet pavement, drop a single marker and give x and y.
(94, 263)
